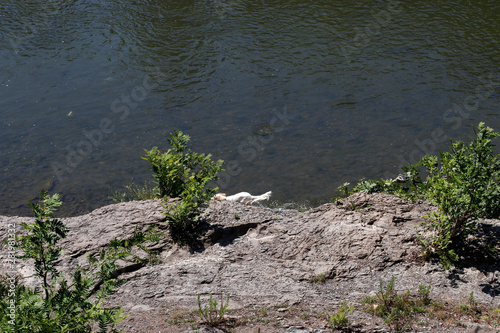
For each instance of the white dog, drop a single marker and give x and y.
(243, 197)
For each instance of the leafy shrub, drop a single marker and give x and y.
(210, 314)
(464, 185)
(339, 319)
(179, 168)
(64, 305)
(184, 174)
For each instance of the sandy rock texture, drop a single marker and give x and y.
(267, 258)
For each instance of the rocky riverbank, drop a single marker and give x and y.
(268, 260)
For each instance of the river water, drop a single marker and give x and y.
(296, 96)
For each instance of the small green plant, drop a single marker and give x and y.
(210, 315)
(472, 302)
(493, 317)
(339, 319)
(472, 306)
(408, 186)
(423, 295)
(180, 319)
(305, 315)
(263, 312)
(397, 310)
(181, 173)
(344, 190)
(438, 311)
(63, 305)
(320, 278)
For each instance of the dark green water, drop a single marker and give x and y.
(297, 96)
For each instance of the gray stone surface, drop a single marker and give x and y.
(268, 257)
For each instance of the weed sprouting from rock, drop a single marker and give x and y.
(397, 309)
(210, 314)
(320, 278)
(339, 319)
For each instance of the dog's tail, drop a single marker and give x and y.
(262, 197)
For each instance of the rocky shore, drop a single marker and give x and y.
(285, 270)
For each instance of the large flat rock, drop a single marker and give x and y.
(268, 257)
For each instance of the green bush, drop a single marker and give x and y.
(464, 185)
(73, 304)
(181, 173)
(180, 168)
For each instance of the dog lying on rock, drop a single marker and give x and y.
(243, 197)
